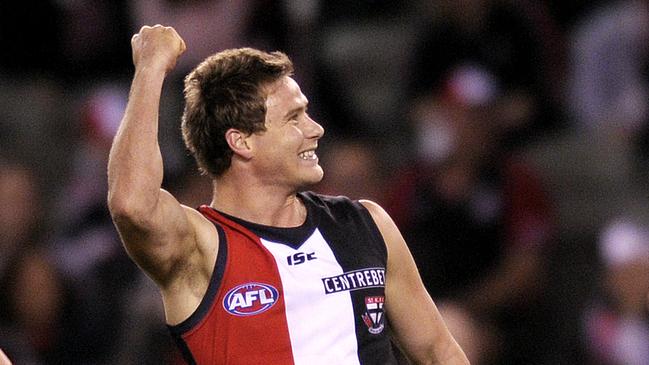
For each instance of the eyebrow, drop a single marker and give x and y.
(295, 110)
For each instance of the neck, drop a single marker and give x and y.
(267, 205)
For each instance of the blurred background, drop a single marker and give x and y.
(509, 140)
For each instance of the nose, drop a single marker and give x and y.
(313, 129)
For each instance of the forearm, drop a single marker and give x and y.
(135, 168)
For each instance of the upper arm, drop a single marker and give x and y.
(161, 239)
(415, 320)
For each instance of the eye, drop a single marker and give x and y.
(295, 118)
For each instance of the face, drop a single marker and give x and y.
(284, 154)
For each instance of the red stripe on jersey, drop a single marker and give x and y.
(236, 336)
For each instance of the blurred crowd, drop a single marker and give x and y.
(508, 139)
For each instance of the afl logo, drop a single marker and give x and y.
(250, 299)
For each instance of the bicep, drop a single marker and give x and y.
(157, 240)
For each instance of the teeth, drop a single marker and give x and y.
(308, 155)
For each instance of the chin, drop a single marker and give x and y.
(313, 178)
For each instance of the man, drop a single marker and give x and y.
(265, 274)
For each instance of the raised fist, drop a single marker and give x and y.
(157, 46)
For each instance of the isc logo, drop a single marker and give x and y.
(300, 258)
(250, 299)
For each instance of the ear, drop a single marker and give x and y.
(238, 142)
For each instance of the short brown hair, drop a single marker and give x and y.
(227, 91)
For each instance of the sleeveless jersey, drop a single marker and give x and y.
(308, 295)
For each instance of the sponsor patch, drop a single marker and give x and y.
(354, 280)
(373, 316)
(250, 299)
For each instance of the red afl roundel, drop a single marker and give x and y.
(250, 299)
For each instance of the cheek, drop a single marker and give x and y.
(288, 141)
(279, 142)
(272, 150)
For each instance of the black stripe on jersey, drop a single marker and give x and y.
(357, 245)
(210, 294)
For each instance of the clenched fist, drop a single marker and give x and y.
(157, 46)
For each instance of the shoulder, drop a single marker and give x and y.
(323, 200)
(372, 207)
(358, 215)
(336, 207)
(335, 201)
(380, 216)
(385, 225)
(343, 208)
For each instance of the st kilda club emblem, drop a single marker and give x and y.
(373, 316)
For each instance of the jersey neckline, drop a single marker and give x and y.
(290, 236)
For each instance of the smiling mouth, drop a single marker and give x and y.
(308, 155)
